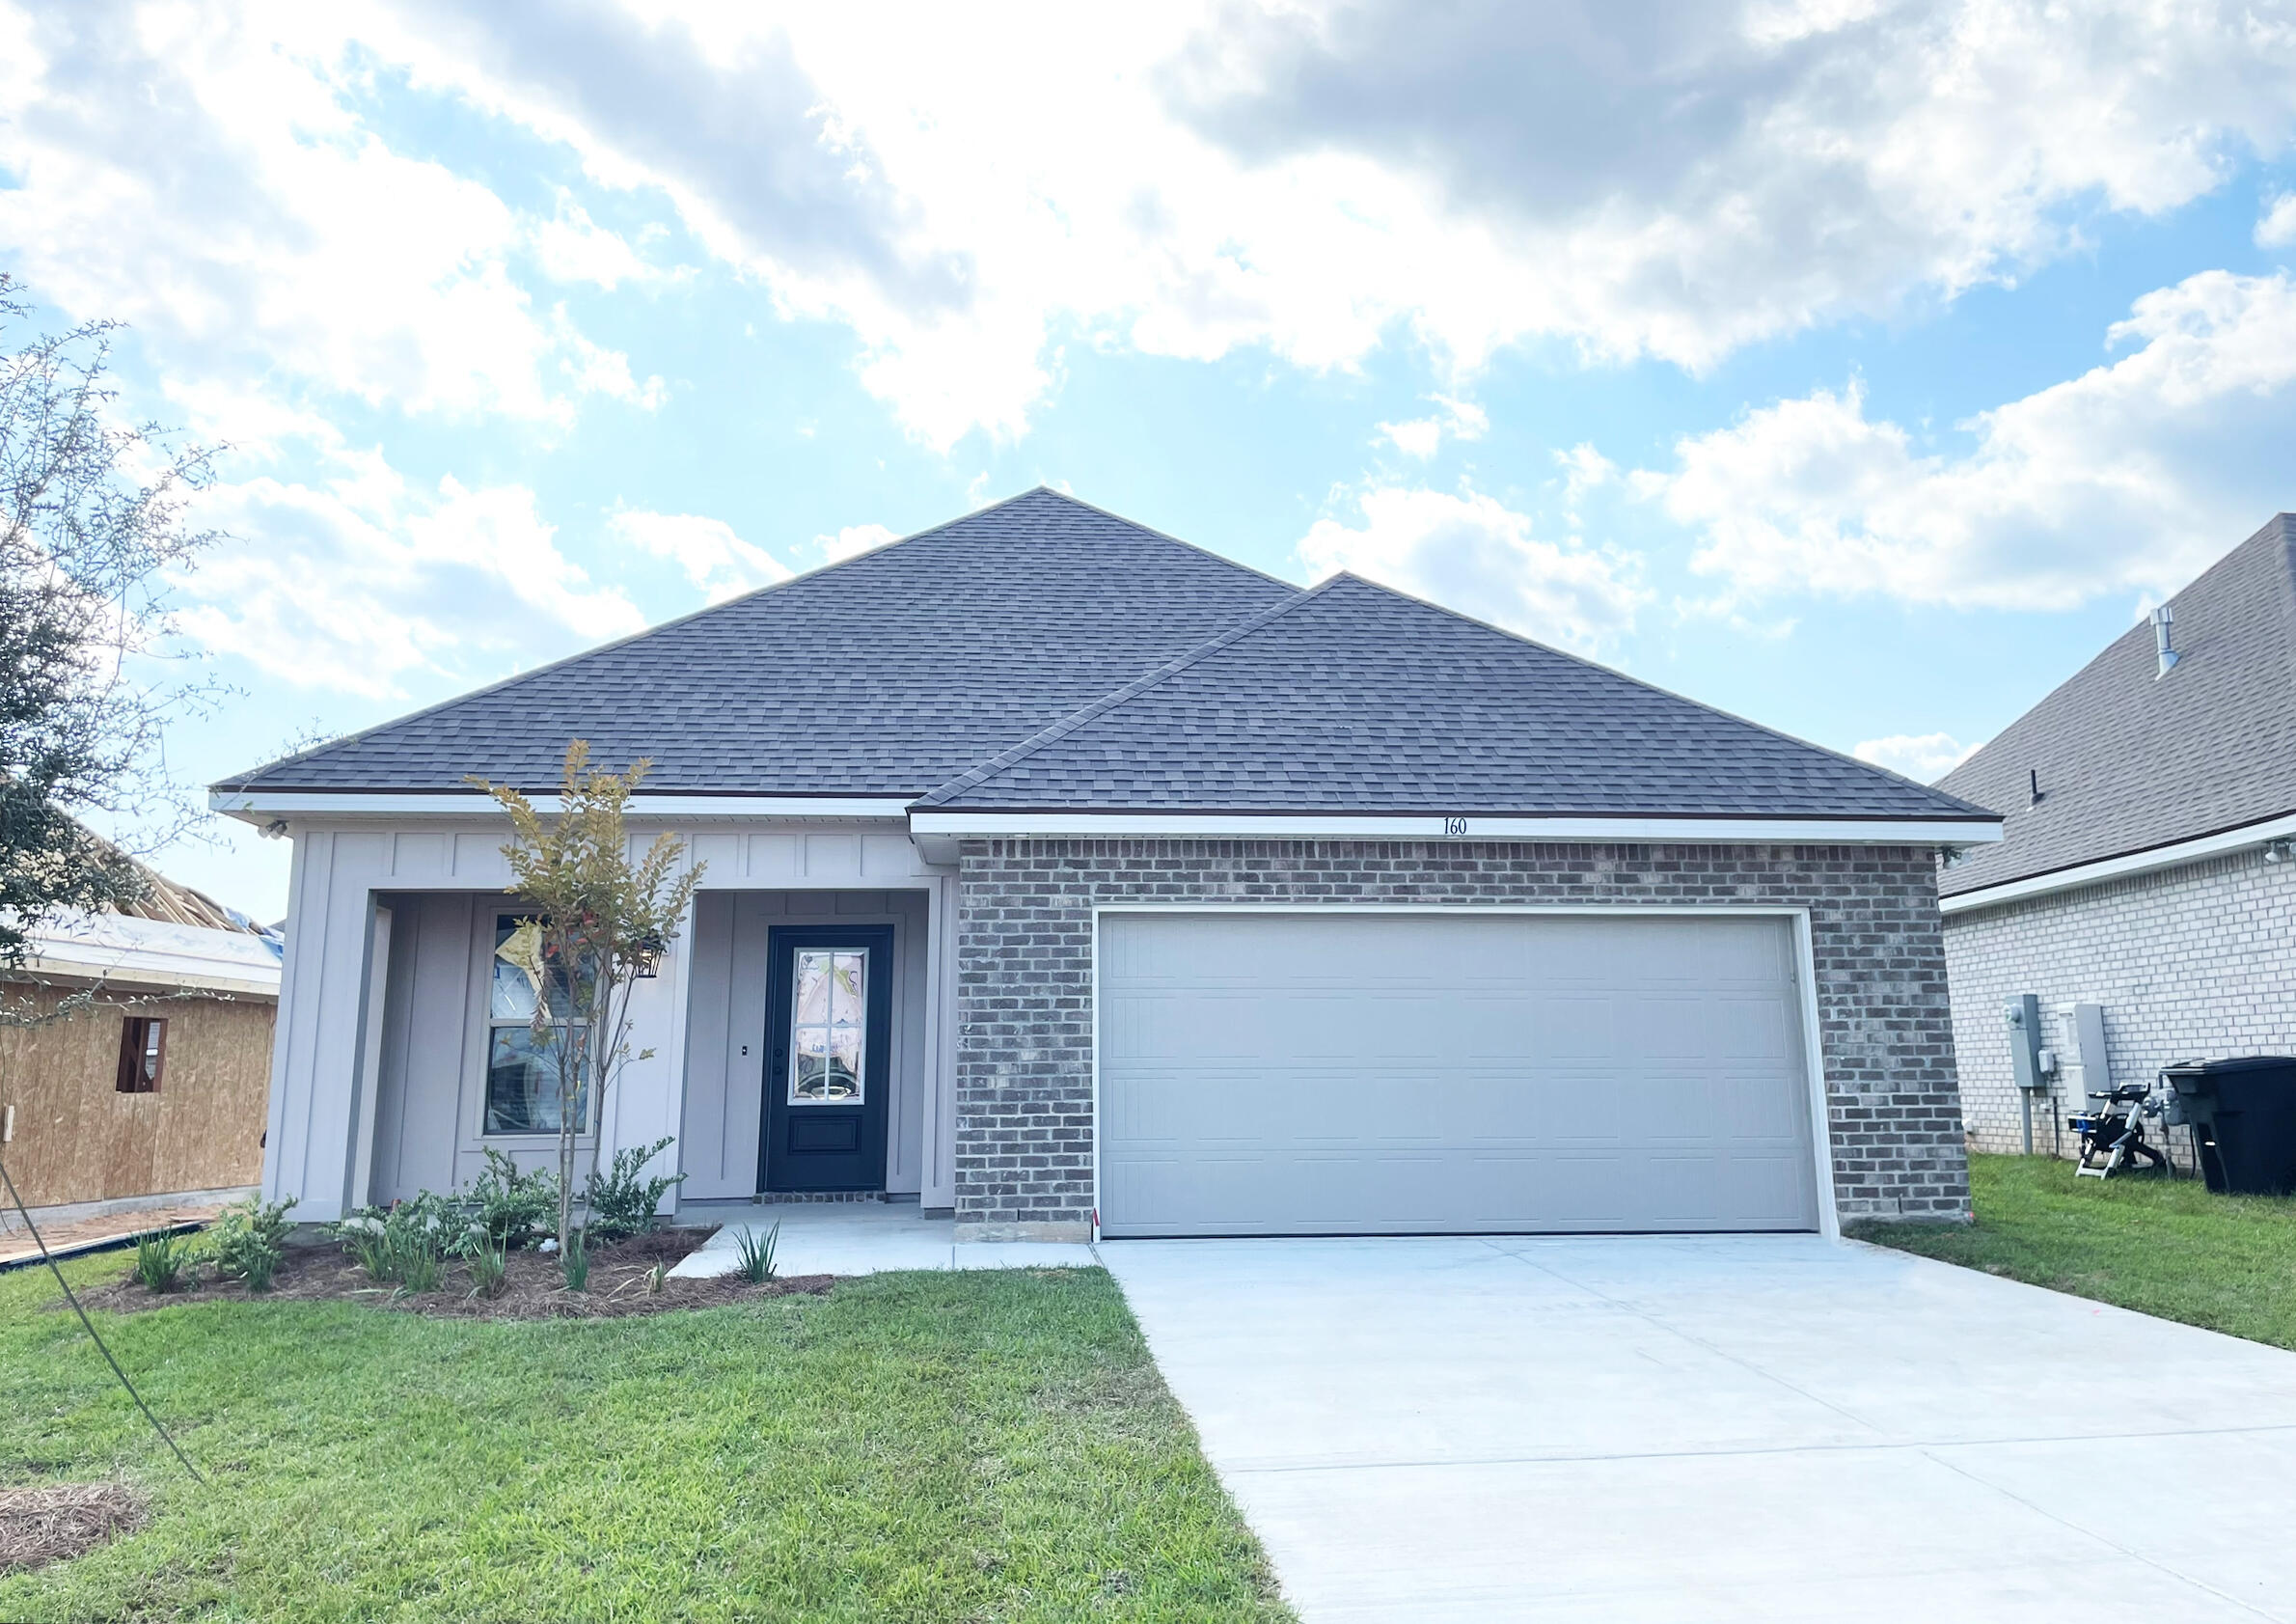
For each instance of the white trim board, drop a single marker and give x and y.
(928, 824)
(2121, 868)
(1805, 952)
(263, 806)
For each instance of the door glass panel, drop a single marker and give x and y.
(828, 1025)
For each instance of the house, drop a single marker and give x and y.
(2146, 870)
(1062, 874)
(135, 1053)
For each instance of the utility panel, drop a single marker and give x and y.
(2024, 1015)
(2089, 1048)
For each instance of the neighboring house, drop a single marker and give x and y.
(135, 1049)
(2147, 866)
(1059, 869)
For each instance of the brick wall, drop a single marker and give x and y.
(1023, 1150)
(2200, 960)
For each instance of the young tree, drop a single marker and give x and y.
(92, 522)
(599, 920)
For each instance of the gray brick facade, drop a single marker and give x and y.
(2197, 960)
(1023, 1142)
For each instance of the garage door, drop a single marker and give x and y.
(1341, 1073)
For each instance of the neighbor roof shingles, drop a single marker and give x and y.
(881, 676)
(2128, 760)
(1358, 699)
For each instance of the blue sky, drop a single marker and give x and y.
(1858, 367)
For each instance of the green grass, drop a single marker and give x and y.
(2161, 1247)
(948, 1447)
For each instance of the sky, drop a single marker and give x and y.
(1857, 366)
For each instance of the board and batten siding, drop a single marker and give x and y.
(347, 882)
(724, 1084)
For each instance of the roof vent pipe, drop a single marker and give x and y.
(2163, 619)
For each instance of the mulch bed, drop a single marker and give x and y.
(531, 1289)
(52, 1522)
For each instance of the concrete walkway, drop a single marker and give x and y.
(866, 1238)
(1726, 1428)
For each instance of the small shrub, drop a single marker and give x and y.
(754, 1254)
(619, 1201)
(511, 1206)
(490, 1271)
(248, 1241)
(574, 1267)
(163, 1261)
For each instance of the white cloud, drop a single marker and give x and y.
(572, 247)
(1472, 553)
(2276, 228)
(2132, 477)
(712, 555)
(1584, 469)
(1924, 757)
(207, 175)
(362, 585)
(852, 539)
(1422, 438)
(1671, 179)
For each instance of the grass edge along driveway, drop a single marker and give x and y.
(2159, 1246)
(955, 1446)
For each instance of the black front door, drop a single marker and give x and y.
(828, 1040)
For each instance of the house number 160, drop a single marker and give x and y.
(1454, 826)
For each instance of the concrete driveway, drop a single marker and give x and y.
(1737, 1428)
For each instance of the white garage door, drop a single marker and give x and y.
(1303, 1073)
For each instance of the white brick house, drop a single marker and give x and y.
(2146, 866)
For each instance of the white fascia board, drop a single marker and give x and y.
(2121, 868)
(1322, 826)
(264, 805)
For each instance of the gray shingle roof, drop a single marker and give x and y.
(1356, 698)
(2128, 761)
(882, 674)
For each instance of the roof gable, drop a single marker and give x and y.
(2126, 759)
(882, 674)
(1357, 697)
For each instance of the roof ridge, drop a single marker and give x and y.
(1160, 534)
(1051, 732)
(1652, 687)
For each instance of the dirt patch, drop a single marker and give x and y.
(620, 1283)
(54, 1522)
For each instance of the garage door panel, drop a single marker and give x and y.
(1298, 1073)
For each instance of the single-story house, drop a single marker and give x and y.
(2145, 879)
(135, 1053)
(1069, 878)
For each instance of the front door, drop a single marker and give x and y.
(827, 1037)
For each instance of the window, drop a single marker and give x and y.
(828, 996)
(522, 1075)
(143, 1055)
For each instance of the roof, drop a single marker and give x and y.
(884, 674)
(135, 950)
(1360, 698)
(2128, 760)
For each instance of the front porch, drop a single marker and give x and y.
(862, 1238)
(794, 1040)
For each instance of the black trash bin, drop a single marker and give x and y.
(2244, 1115)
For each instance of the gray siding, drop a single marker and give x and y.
(724, 1086)
(2200, 960)
(1024, 1111)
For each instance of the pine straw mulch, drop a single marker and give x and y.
(530, 1290)
(52, 1522)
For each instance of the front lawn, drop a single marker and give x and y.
(959, 1447)
(2159, 1246)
